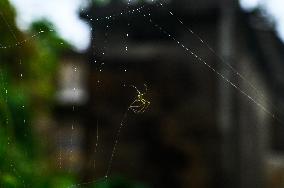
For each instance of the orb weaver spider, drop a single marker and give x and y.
(139, 105)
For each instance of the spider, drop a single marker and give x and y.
(139, 105)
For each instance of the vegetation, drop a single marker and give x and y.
(28, 64)
(27, 75)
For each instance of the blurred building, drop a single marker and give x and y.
(199, 131)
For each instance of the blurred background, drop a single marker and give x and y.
(212, 71)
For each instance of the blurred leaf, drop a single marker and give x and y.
(9, 181)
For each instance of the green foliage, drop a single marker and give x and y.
(27, 76)
(27, 87)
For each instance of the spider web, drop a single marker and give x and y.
(138, 103)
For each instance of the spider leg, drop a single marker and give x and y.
(146, 106)
(136, 89)
(134, 110)
(142, 110)
(134, 107)
(146, 88)
(132, 104)
(141, 106)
